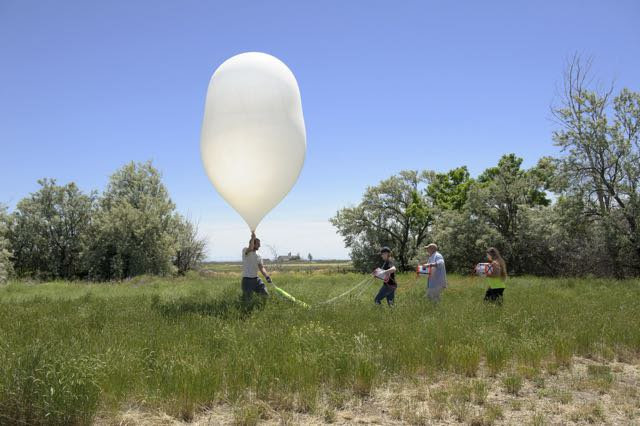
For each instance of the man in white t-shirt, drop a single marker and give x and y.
(251, 263)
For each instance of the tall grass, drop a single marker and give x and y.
(71, 350)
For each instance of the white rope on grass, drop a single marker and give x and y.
(362, 290)
(360, 284)
(286, 295)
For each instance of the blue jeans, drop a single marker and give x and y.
(386, 292)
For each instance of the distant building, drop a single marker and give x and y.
(288, 258)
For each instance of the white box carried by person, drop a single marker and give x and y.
(380, 274)
(484, 269)
(423, 270)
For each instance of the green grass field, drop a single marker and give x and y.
(77, 353)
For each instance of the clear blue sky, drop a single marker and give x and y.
(87, 86)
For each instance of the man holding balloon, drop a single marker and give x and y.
(251, 263)
(253, 121)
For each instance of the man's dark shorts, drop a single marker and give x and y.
(253, 285)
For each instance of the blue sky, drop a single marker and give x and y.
(88, 86)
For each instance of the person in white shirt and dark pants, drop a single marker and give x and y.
(251, 264)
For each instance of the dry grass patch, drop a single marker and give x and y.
(592, 412)
(251, 413)
(450, 399)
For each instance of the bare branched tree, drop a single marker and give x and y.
(275, 258)
(599, 134)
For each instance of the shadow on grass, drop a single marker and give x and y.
(229, 306)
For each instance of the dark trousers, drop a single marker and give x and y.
(386, 292)
(253, 285)
(494, 295)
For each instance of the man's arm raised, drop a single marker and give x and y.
(252, 243)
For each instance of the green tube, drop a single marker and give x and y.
(288, 296)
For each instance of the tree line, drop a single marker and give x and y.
(577, 214)
(132, 228)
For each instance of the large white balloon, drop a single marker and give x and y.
(253, 140)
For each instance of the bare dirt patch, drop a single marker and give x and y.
(586, 392)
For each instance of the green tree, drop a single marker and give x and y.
(48, 231)
(134, 226)
(575, 240)
(463, 238)
(502, 197)
(6, 266)
(450, 190)
(396, 213)
(599, 134)
(190, 247)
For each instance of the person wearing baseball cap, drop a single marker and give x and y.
(388, 270)
(437, 277)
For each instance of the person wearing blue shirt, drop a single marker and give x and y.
(437, 277)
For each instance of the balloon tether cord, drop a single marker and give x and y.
(362, 283)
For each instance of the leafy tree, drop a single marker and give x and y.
(531, 251)
(310, 257)
(396, 213)
(574, 240)
(6, 266)
(48, 231)
(449, 191)
(191, 248)
(546, 174)
(463, 238)
(365, 249)
(133, 225)
(501, 197)
(600, 135)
